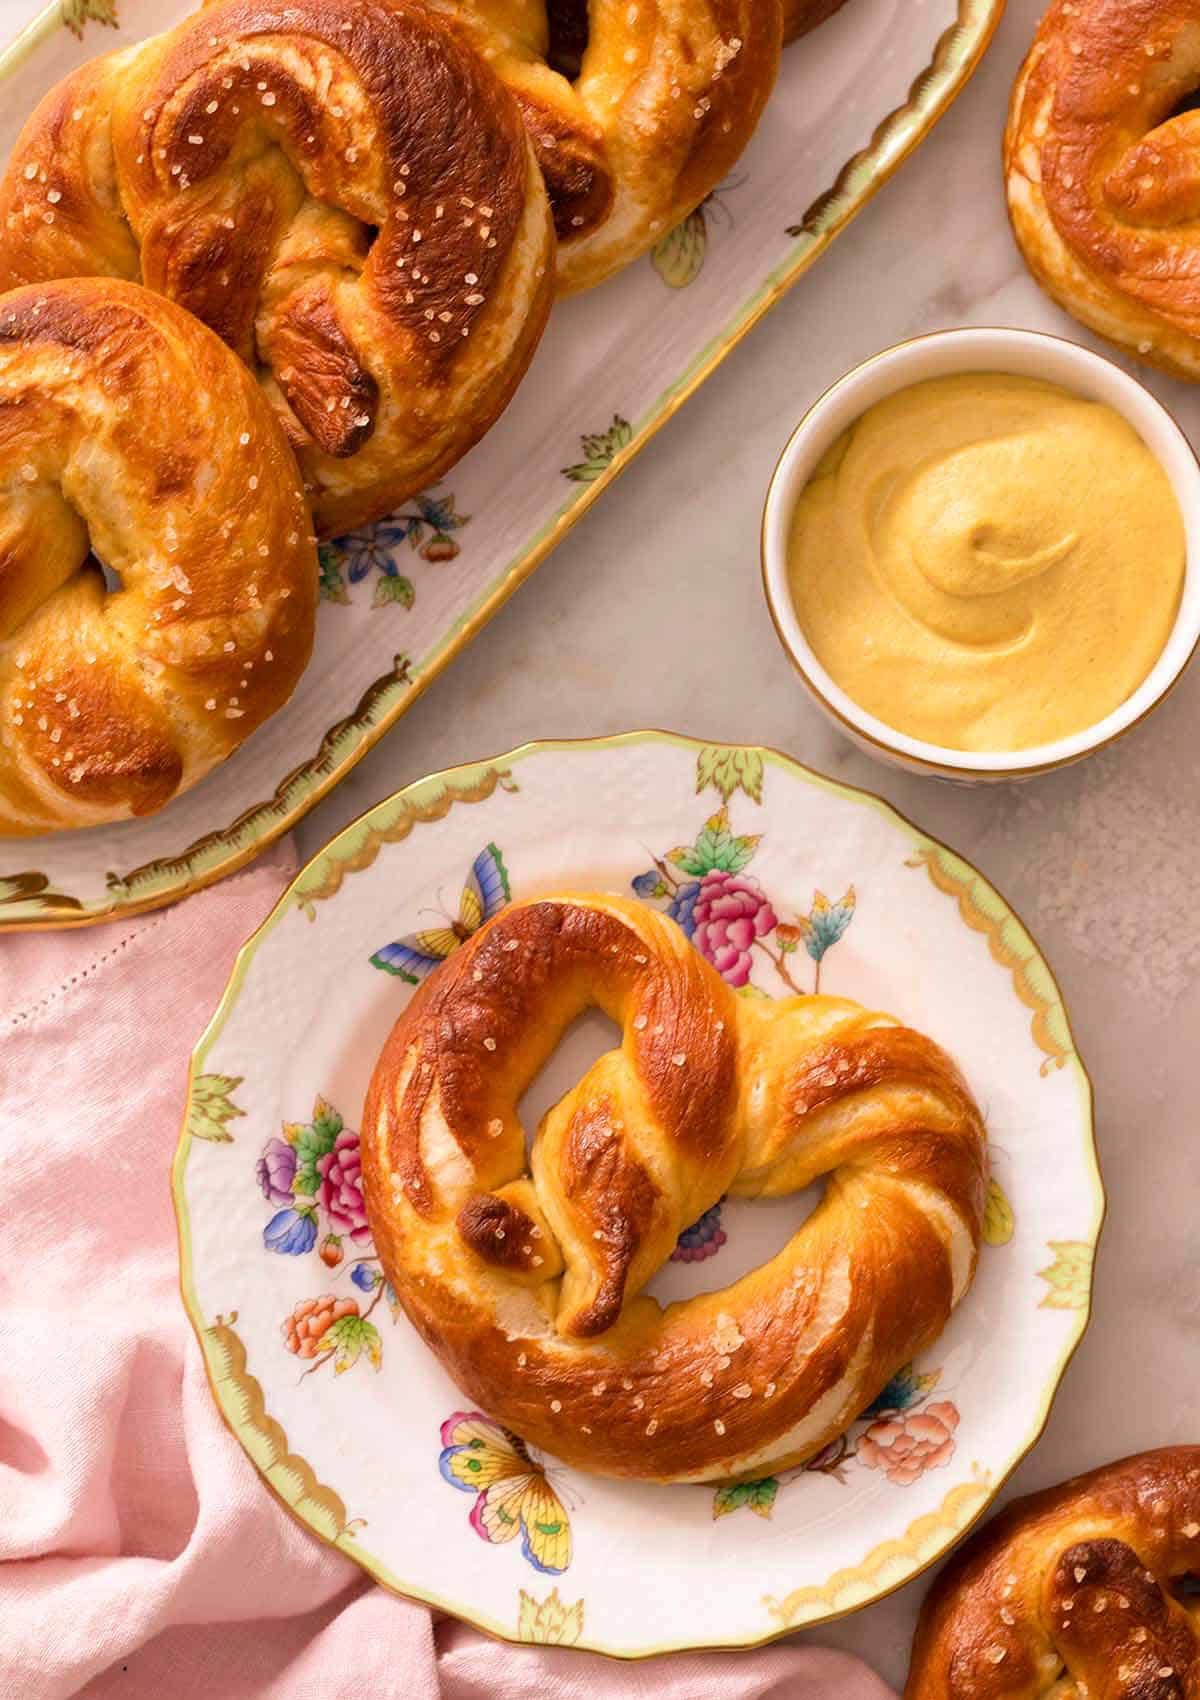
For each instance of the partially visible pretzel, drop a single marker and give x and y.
(529, 1289)
(1073, 1593)
(341, 190)
(632, 136)
(1103, 175)
(128, 429)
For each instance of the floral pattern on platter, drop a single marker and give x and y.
(727, 914)
(77, 13)
(902, 1434)
(512, 1493)
(312, 1176)
(373, 549)
(679, 256)
(600, 449)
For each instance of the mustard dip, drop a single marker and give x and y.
(988, 562)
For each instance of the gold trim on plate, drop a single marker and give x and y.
(467, 783)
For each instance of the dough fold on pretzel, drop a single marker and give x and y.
(666, 95)
(1103, 172)
(529, 1287)
(341, 190)
(1074, 1593)
(128, 429)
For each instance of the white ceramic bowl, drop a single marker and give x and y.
(1024, 354)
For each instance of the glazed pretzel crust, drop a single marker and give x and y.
(127, 427)
(1068, 1593)
(337, 187)
(1103, 183)
(528, 1289)
(667, 96)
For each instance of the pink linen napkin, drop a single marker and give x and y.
(140, 1556)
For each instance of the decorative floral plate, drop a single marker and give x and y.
(400, 599)
(785, 881)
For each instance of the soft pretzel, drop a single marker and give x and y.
(653, 105)
(128, 429)
(1103, 182)
(529, 1287)
(800, 16)
(341, 190)
(1073, 1594)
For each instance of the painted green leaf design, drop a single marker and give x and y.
(728, 770)
(599, 451)
(998, 1220)
(679, 257)
(312, 1141)
(1069, 1276)
(758, 1497)
(550, 1621)
(825, 922)
(76, 13)
(393, 589)
(755, 992)
(331, 583)
(210, 1107)
(350, 1337)
(716, 849)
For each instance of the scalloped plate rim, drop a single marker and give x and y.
(531, 749)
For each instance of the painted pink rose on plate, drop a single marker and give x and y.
(731, 911)
(340, 1191)
(906, 1444)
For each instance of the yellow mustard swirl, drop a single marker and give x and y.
(988, 562)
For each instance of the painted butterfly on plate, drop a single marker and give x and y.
(513, 1494)
(485, 893)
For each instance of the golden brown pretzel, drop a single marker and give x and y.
(1072, 1594)
(341, 190)
(666, 97)
(529, 1289)
(129, 429)
(1103, 182)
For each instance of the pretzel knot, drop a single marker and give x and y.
(529, 1285)
(637, 108)
(127, 428)
(1103, 171)
(1075, 1592)
(337, 187)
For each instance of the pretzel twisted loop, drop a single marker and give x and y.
(529, 1286)
(653, 106)
(1103, 172)
(1073, 1593)
(341, 190)
(127, 428)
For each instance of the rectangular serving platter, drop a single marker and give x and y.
(402, 598)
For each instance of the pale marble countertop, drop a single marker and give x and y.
(649, 614)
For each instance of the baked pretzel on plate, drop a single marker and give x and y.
(338, 188)
(637, 108)
(1102, 166)
(128, 429)
(528, 1286)
(1073, 1594)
